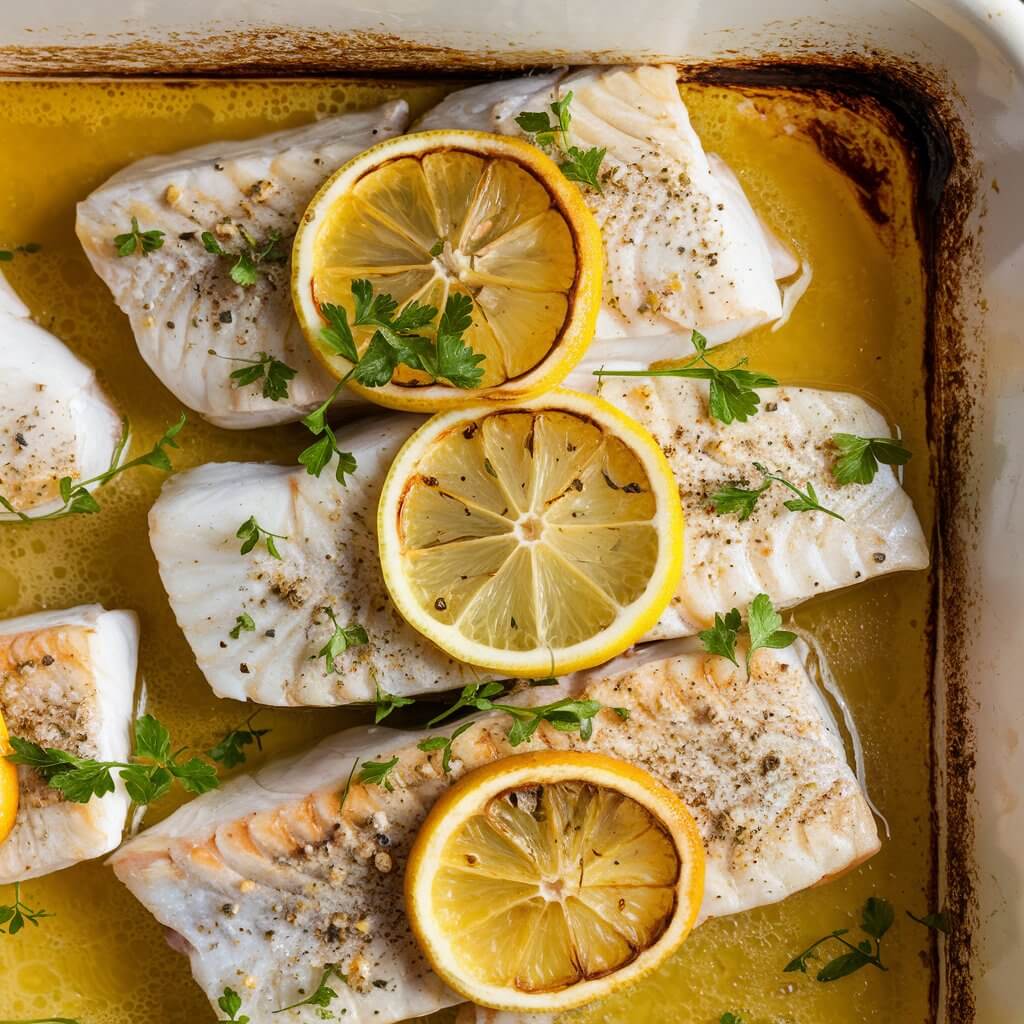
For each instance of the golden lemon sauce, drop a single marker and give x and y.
(860, 327)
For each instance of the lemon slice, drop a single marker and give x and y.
(8, 784)
(427, 216)
(535, 538)
(543, 881)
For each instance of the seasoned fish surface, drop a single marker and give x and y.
(330, 557)
(55, 420)
(329, 560)
(67, 680)
(683, 247)
(181, 299)
(269, 879)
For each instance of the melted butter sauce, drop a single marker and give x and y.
(860, 327)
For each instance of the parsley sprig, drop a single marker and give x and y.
(244, 623)
(136, 240)
(230, 750)
(732, 393)
(730, 1018)
(250, 533)
(147, 777)
(578, 164)
(566, 715)
(938, 922)
(230, 1004)
(252, 259)
(378, 773)
(273, 373)
(14, 916)
(877, 917)
(444, 744)
(76, 496)
(859, 457)
(385, 703)
(324, 994)
(341, 640)
(763, 624)
(740, 500)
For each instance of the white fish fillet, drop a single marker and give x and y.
(55, 420)
(329, 560)
(330, 557)
(181, 300)
(67, 680)
(683, 247)
(266, 881)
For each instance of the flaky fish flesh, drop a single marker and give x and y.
(180, 298)
(267, 881)
(329, 559)
(683, 247)
(55, 420)
(67, 680)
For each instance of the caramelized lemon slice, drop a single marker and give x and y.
(427, 216)
(8, 784)
(542, 881)
(534, 538)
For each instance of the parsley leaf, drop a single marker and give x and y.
(578, 164)
(137, 240)
(230, 1004)
(456, 361)
(324, 995)
(386, 703)
(876, 918)
(244, 623)
(252, 259)
(230, 751)
(721, 637)
(266, 368)
(730, 1018)
(337, 333)
(732, 498)
(147, 777)
(860, 456)
(250, 532)
(378, 773)
(75, 494)
(763, 622)
(14, 916)
(444, 744)
(341, 640)
(937, 922)
(732, 393)
(319, 454)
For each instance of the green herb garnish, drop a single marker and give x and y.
(341, 640)
(324, 994)
(731, 395)
(244, 623)
(444, 743)
(937, 922)
(266, 368)
(386, 702)
(378, 773)
(250, 533)
(733, 498)
(76, 495)
(230, 1004)
(580, 165)
(6, 255)
(763, 624)
(230, 751)
(136, 241)
(720, 639)
(147, 777)
(252, 259)
(319, 454)
(16, 915)
(860, 456)
(876, 918)
(566, 715)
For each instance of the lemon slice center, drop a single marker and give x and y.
(553, 884)
(528, 529)
(422, 228)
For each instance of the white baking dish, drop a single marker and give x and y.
(965, 58)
